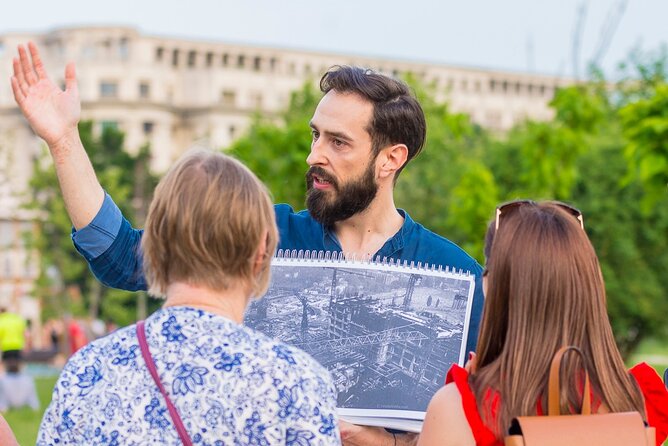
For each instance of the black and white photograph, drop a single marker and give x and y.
(387, 333)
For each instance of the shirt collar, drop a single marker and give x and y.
(389, 249)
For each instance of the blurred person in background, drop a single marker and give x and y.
(17, 388)
(12, 335)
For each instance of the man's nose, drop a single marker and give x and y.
(316, 156)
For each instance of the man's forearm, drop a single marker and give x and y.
(81, 190)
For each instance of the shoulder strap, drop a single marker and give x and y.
(148, 359)
(553, 384)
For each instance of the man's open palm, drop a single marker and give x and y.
(52, 113)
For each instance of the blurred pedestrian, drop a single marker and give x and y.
(17, 388)
(12, 334)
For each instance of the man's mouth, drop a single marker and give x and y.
(320, 183)
(320, 179)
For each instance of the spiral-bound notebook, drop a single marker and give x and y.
(387, 331)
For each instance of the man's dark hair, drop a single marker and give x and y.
(397, 116)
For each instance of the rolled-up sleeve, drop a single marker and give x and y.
(93, 240)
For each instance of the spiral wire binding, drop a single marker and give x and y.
(340, 257)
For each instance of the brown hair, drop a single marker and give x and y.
(397, 116)
(206, 222)
(545, 290)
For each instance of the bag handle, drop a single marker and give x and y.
(553, 399)
(150, 364)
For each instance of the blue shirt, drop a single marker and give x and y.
(229, 384)
(112, 248)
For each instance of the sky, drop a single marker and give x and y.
(518, 35)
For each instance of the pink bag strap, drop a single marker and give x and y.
(148, 359)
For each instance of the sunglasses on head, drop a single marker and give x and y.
(513, 205)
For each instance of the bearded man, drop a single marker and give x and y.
(365, 130)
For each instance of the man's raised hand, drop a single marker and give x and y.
(52, 113)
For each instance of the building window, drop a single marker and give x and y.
(209, 59)
(123, 48)
(241, 61)
(159, 54)
(175, 58)
(226, 59)
(144, 90)
(192, 58)
(108, 89)
(228, 97)
(272, 63)
(6, 234)
(257, 63)
(147, 127)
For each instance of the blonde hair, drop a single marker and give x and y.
(545, 290)
(208, 218)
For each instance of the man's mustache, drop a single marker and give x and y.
(320, 173)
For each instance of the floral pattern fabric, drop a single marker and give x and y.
(230, 384)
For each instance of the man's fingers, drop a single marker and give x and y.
(71, 78)
(37, 61)
(26, 65)
(18, 76)
(18, 94)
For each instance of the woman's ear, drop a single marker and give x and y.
(261, 254)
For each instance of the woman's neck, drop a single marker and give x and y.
(230, 303)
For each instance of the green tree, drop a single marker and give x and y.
(645, 125)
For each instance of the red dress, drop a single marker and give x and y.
(651, 386)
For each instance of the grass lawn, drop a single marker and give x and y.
(654, 353)
(24, 422)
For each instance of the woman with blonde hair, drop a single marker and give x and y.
(192, 373)
(543, 290)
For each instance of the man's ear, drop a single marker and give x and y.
(261, 254)
(391, 159)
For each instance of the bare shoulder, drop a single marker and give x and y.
(445, 422)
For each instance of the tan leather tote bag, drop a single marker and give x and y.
(611, 429)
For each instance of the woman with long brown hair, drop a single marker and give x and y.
(544, 289)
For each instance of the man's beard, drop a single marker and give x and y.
(349, 199)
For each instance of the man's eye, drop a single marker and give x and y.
(338, 142)
(314, 134)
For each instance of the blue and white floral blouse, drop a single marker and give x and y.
(230, 384)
